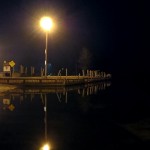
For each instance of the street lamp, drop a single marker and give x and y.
(47, 24)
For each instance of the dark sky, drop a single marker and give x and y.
(116, 33)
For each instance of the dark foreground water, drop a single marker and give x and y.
(101, 116)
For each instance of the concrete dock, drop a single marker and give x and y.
(50, 80)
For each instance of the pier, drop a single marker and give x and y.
(51, 80)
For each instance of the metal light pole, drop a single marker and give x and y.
(46, 54)
(46, 23)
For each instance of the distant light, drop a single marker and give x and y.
(46, 23)
(46, 147)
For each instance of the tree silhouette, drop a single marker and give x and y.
(85, 57)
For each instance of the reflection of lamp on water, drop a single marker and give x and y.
(46, 146)
(45, 119)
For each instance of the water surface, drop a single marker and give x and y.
(94, 116)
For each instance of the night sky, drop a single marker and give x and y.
(115, 32)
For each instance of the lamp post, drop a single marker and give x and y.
(46, 23)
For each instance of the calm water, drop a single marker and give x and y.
(100, 116)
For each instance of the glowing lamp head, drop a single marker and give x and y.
(46, 23)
